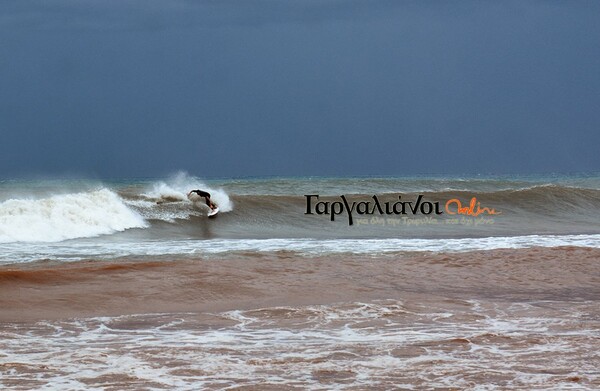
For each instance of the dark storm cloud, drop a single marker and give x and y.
(156, 15)
(234, 88)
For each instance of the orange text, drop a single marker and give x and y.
(474, 208)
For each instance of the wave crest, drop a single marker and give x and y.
(176, 188)
(66, 216)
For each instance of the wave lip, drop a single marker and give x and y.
(176, 188)
(66, 216)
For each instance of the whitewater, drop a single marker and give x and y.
(128, 284)
(67, 220)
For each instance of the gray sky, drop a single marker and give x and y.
(120, 88)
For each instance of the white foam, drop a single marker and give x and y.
(65, 216)
(413, 342)
(110, 249)
(179, 185)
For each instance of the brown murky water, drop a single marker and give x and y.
(506, 319)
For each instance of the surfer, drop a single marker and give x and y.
(206, 197)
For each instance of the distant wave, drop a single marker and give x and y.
(161, 211)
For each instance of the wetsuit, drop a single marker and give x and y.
(206, 196)
(201, 193)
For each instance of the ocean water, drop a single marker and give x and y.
(78, 219)
(379, 345)
(127, 285)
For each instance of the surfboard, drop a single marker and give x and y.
(213, 212)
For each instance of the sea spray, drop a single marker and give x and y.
(65, 216)
(176, 188)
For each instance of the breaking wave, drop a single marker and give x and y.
(160, 210)
(66, 216)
